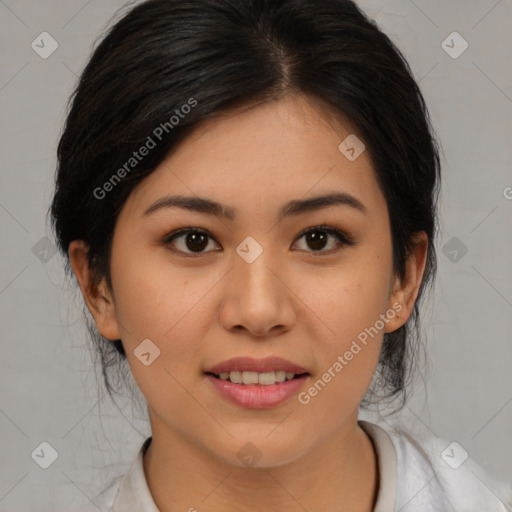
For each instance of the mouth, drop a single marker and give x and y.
(257, 383)
(250, 378)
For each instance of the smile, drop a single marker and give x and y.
(257, 383)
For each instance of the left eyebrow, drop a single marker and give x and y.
(314, 203)
(295, 207)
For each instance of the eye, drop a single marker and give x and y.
(189, 240)
(192, 241)
(317, 238)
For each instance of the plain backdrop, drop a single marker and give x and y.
(50, 390)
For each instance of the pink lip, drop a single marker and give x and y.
(257, 396)
(248, 364)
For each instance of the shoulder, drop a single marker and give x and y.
(435, 474)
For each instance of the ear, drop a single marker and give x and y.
(98, 297)
(405, 291)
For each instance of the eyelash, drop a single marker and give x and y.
(343, 239)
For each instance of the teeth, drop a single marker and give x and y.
(235, 377)
(267, 378)
(280, 376)
(251, 378)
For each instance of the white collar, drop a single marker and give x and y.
(133, 494)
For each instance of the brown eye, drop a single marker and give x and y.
(196, 241)
(318, 238)
(189, 241)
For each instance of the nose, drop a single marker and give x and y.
(257, 298)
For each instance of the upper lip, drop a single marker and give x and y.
(267, 364)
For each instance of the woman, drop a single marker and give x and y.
(247, 193)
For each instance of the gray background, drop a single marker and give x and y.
(48, 382)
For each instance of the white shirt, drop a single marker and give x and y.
(427, 476)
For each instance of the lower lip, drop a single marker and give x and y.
(258, 396)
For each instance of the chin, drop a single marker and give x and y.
(259, 451)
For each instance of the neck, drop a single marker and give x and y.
(340, 474)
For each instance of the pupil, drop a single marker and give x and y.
(196, 241)
(316, 239)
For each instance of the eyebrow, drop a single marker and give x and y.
(295, 207)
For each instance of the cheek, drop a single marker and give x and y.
(155, 298)
(175, 308)
(348, 302)
(170, 307)
(349, 297)
(346, 348)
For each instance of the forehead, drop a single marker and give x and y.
(277, 150)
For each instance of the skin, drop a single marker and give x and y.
(293, 302)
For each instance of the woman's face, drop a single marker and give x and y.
(261, 281)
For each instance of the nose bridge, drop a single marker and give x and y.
(258, 285)
(258, 300)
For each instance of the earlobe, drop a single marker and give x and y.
(405, 290)
(96, 295)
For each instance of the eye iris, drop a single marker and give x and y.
(196, 241)
(316, 239)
